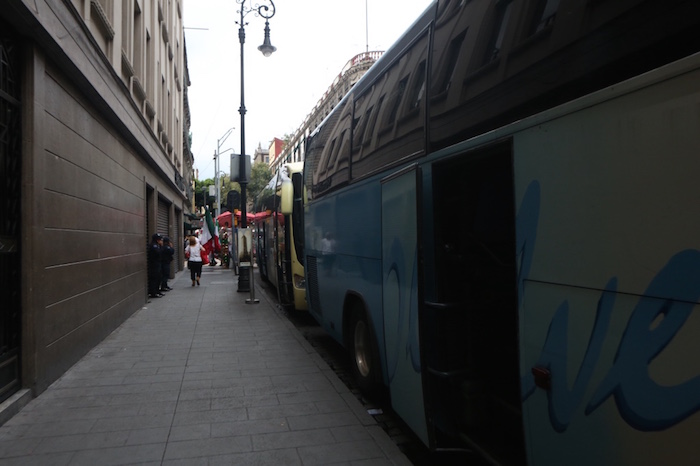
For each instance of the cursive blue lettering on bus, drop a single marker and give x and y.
(642, 403)
(526, 232)
(526, 221)
(562, 401)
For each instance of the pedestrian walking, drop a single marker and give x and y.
(194, 253)
(154, 255)
(167, 254)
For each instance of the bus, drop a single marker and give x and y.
(279, 237)
(502, 226)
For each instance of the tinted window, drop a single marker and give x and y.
(391, 113)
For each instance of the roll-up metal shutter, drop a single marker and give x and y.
(177, 240)
(163, 220)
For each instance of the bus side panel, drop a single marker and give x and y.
(400, 299)
(608, 238)
(342, 234)
(299, 292)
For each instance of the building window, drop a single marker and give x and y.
(139, 35)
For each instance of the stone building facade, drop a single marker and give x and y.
(261, 155)
(95, 158)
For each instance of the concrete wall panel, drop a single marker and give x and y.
(59, 355)
(68, 316)
(86, 215)
(92, 223)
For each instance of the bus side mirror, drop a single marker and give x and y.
(287, 197)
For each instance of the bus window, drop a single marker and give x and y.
(394, 110)
(543, 16)
(445, 71)
(332, 169)
(417, 89)
(360, 123)
(497, 37)
(394, 101)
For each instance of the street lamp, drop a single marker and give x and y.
(219, 142)
(266, 48)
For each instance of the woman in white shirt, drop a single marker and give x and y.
(194, 252)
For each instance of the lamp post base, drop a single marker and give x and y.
(243, 279)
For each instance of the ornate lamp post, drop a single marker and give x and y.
(266, 48)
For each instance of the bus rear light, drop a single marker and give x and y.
(543, 378)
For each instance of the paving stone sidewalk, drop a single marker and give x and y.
(199, 377)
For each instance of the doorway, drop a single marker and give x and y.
(473, 359)
(10, 205)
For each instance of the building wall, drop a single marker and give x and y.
(144, 43)
(99, 175)
(261, 155)
(275, 150)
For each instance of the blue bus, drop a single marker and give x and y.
(502, 226)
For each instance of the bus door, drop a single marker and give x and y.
(470, 319)
(400, 298)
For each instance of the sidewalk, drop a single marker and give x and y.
(199, 377)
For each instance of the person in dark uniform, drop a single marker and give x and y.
(167, 253)
(154, 266)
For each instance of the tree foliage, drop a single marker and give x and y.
(201, 193)
(226, 186)
(287, 138)
(259, 178)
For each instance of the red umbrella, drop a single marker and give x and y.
(248, 215)
(259, 217)
(224, 218)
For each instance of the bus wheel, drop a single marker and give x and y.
(362, 350)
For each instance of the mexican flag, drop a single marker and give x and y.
(210, 234)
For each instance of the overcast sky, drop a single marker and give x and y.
(314, 40)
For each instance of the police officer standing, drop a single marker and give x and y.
(167, 253)
(154, 266)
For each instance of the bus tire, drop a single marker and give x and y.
(363, 352)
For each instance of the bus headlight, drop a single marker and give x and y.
(299, 281)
